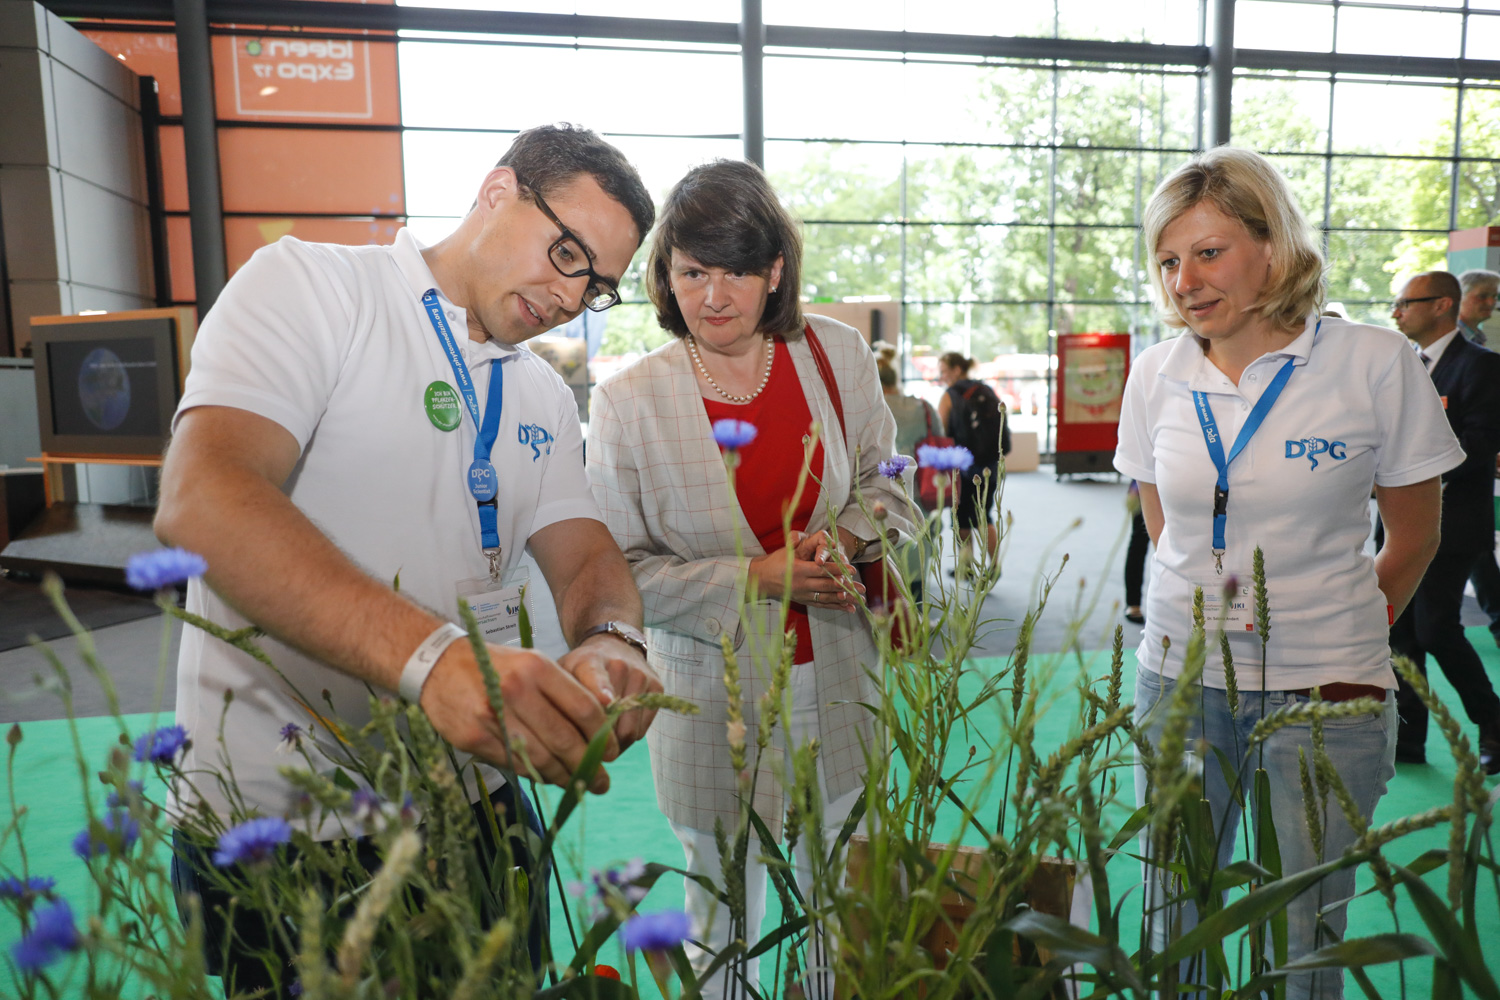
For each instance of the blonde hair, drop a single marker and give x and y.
(1245, 186)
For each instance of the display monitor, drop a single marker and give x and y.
(106, 387)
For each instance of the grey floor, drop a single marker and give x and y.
(1081, 518)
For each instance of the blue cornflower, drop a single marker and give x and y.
(163, 568)
(118, 801)
(612, 884)
(253, 841)
(36, 885)
(291, 738)
(52, 933)
(894, 466)
(954, 459)
(93, 839)
(733, 434)
(161, 746)
(656, 931)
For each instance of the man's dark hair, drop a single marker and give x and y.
(549, 156)
(726, 214)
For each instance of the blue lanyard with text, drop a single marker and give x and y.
(480, 479)
(1216, 448)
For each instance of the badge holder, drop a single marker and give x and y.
(496, 604)
(1236, 614)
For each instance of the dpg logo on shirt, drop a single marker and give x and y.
(537, 436)
(1311, 448)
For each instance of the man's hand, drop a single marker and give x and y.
(549, 716)
(612, 668)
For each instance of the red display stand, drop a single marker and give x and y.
(1091, 371)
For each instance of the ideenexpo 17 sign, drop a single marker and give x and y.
(293, 77)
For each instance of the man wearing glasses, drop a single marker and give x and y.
(1467, 378)
(359, 415)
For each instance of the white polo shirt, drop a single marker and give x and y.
(1358, 411)
(332, 343)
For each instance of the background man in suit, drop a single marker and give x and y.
(1477, 305)
(1467, 377)
(1480, 290)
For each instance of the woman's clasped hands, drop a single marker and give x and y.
(822, 575)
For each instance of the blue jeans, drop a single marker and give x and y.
(1363, 751)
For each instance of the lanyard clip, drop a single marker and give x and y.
(1219, 561)
(493, 555)
(1221, 500)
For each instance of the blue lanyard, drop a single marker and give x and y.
(480, 479)
(1215, 444)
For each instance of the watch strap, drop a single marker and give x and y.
(620, 630)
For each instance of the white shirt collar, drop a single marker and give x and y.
(1188, 361)
(1434, 350)
(407, 254)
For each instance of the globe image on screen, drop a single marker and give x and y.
(104, 389)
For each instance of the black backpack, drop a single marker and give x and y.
(977, 421)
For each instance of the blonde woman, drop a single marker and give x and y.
(1264, 425)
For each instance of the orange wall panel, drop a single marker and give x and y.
(243, 236)
(173, 169)
(180, 258)
(326, 172)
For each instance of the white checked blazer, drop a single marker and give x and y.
(660, 482)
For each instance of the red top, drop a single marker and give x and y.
(766, 477)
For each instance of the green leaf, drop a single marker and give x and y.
(342, 780)
(1355, 953)
(1255, 908)
(1076, 945)
(1460, 951)
(1133, 826)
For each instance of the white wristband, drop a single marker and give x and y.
(414, 674)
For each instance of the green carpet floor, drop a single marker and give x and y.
(626, 824)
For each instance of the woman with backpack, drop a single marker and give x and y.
(975, 418)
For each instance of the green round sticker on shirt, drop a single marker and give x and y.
(443, 406)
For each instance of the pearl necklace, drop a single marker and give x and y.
(698, 360)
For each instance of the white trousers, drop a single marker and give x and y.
(710, 919)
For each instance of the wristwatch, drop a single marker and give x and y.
(620, 630)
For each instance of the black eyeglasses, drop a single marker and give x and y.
(1401, 304)
(572, 261)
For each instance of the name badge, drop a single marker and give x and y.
(1237, 614)
(497, 608)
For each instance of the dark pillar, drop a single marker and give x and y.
(200, 139)
(752, 58)
(1220, 73)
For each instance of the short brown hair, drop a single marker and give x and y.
(726, 214)
(549, 156)
(1245, 186)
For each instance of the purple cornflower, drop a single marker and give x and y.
(954, 459)
(733, 434)
(892, 467)
(656, 931)
(366, 806)
(163, 568)
(134, 790)
(253, 841)
(291, 738)
(93, 839)
(161, 746)
(611, 884)
(52, 933)
(35, 885)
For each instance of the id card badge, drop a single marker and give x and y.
(497, 608)
(1237, 614)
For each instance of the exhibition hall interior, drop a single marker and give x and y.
(968, 177)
